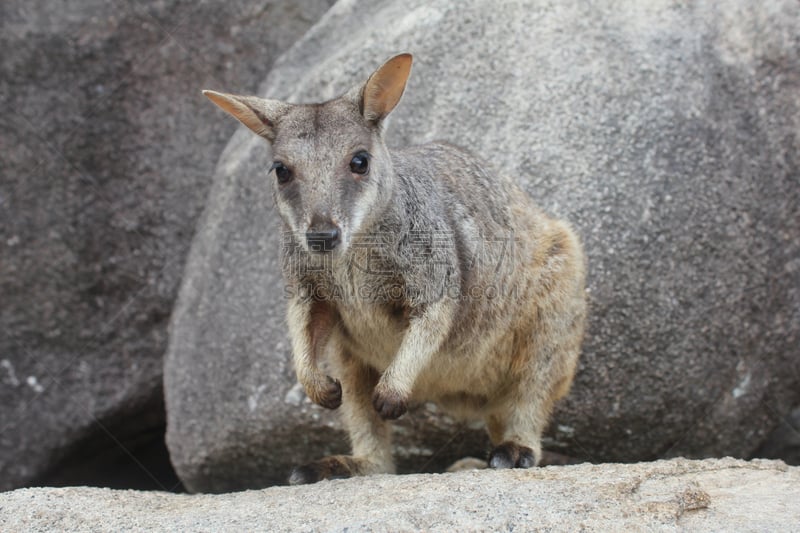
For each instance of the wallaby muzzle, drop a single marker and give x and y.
(323, 239)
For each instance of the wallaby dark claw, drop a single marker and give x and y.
(389, 405)
(331, 395)
(512, 455)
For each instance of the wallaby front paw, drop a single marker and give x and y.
(389, 404)
(512, 455)
(329, 395)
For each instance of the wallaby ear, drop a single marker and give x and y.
(256, 113)
(385, 87)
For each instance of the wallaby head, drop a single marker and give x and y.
(331, 171)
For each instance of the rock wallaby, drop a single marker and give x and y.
(418, 274)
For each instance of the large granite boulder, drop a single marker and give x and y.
(676, 495)
(667, 132)
(108, 149)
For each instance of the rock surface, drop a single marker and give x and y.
(711, 495)
(108, 149)
(784, 441)
(667, 132)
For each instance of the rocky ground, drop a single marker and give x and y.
(710, 495)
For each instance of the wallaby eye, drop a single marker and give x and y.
(282, 172)
(360, 163)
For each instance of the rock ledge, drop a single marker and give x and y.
(709, 495)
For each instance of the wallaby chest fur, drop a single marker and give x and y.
(452, 230)
(421, 274)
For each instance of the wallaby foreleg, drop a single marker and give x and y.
(310, 325)
(426, 333)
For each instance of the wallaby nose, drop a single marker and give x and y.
(322, 237)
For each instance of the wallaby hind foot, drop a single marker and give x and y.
(335, 467)
(512, 455)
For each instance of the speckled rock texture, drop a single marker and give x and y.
(676, 495)
(667, 132)
(107, 149)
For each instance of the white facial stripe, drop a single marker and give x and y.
(359, 212)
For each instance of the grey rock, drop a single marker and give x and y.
(676, 495)
(108, 149)
(667, 132)
(784, 441)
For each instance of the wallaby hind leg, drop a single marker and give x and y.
(369, 434)
(515, 428)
